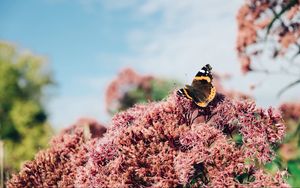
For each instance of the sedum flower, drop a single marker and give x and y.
(172, 143)
(290, 111)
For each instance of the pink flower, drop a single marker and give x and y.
(56, 166)
(254, 19)
(173, 143)
(290, 111)
(126, 80)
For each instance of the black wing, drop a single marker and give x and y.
(205, 71)
(201, 90)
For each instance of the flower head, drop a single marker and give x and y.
(175, 143)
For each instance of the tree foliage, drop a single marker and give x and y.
(24, 129)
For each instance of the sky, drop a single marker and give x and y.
(87, 42)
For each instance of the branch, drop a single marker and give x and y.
(277, 16)
(296, 54)
(281, 71)
(288, 87)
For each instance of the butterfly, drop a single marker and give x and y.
(202, 92)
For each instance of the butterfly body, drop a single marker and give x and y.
(201, 91)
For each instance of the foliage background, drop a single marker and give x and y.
(23, 117)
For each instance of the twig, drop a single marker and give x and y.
(281, 71)
(277, 16)
(287, 87)
(296, 54)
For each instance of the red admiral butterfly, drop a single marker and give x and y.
(201, 91)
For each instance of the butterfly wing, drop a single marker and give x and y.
(187, 91)
(201, 91)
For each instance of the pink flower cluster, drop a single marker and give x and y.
(167, 144)
(94, 128)
(126, 79)
(290, 111)
(56, 166)
(254, 19)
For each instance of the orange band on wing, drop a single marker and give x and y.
(203, 78)
(212, 94)
(202, 104)
(209, 98)
(186, 94)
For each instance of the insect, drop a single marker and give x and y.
(202, 92)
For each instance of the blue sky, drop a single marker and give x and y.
(70, 35)
(88, 41)
(77, 40)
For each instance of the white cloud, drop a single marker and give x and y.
(190, 34)
(179, 38)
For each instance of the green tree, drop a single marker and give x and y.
(24, 129)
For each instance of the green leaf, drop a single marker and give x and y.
(200, 174)
(294, 170)
(294, 167)
(238, 139)
(245, 178)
